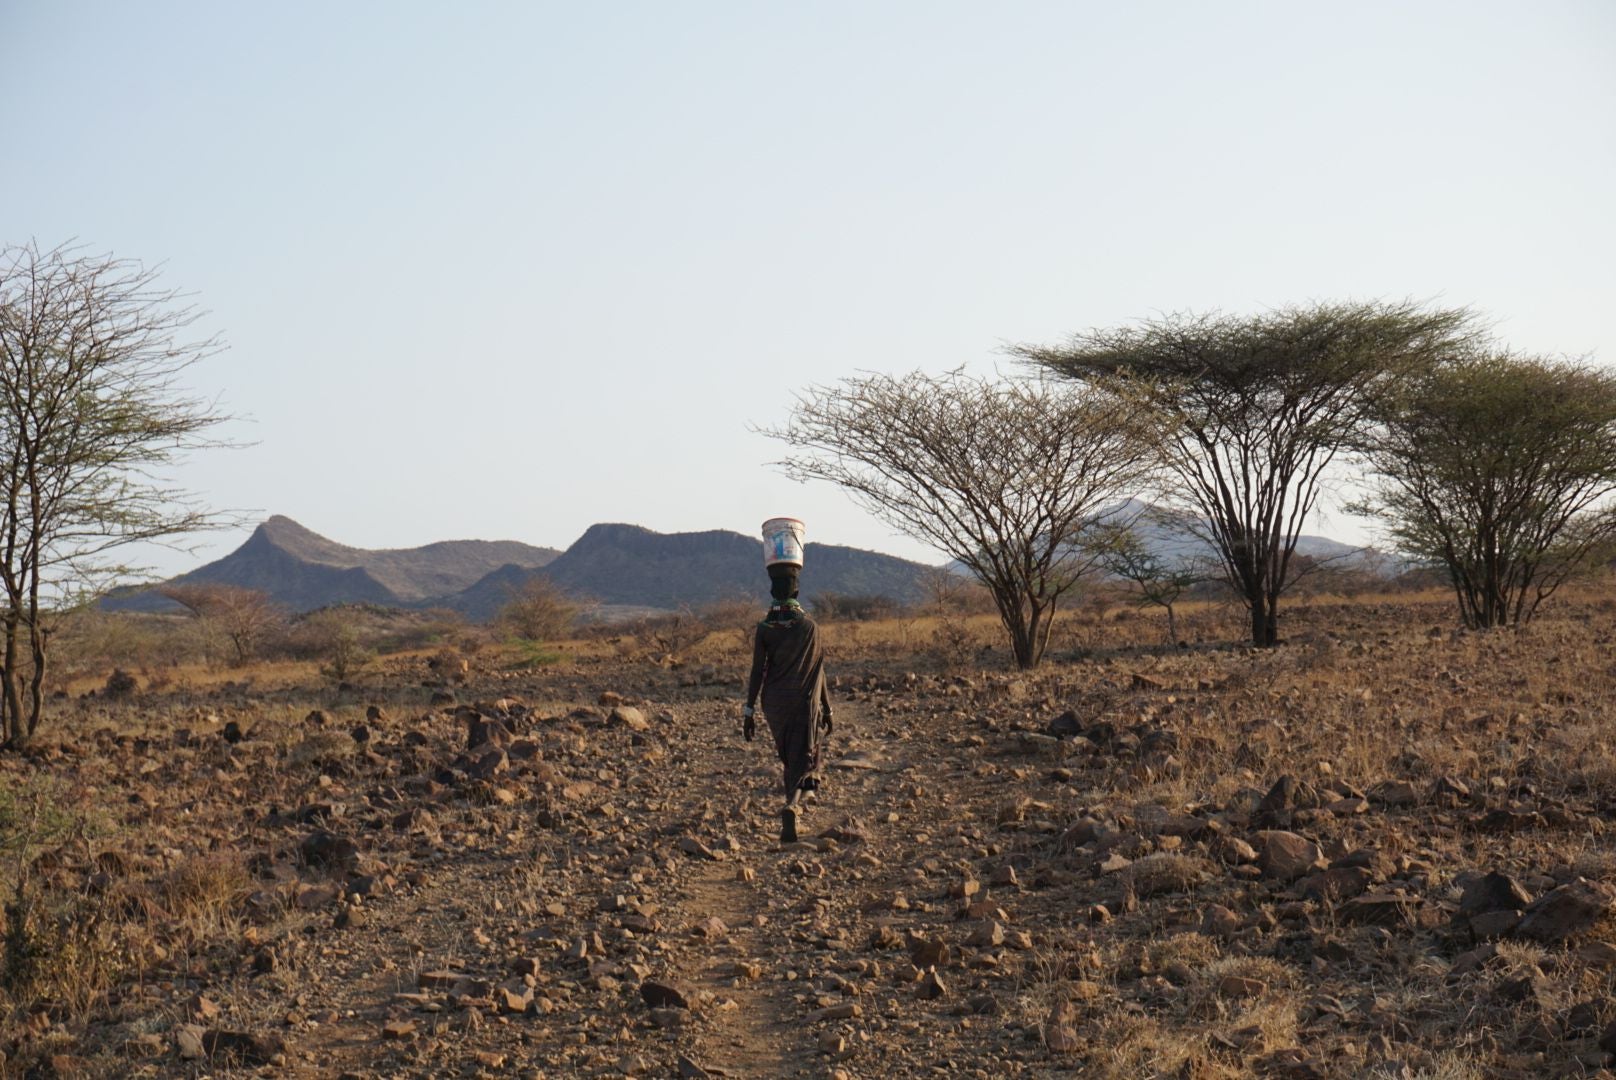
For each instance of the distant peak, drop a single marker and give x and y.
(607, 528)
(281, 525)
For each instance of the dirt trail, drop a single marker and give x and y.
(753, 1033)
(491, 886)
(758, 1025)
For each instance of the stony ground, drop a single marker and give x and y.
(1379, 851)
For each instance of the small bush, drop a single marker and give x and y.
(333, 636)
(848, 607)
(675, 633)
(120, 684)
(59, 948)
(540, 611)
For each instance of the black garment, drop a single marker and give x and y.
(783, 581)
(788, 666)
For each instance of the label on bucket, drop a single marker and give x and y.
(782, 541)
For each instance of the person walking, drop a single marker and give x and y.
(788, 672)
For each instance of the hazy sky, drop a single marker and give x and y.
(506, 270)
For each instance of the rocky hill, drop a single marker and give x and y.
(631, 566)
(302, 570)
(620, 567)
(623, 567)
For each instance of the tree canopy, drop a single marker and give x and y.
(1251, 411)
(91, 414)
(1000, 475)
(1499, 469)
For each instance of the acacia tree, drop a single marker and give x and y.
(1251, 412)
(1499, 469)
(245, 617)
(1001, 476)
(539, 611)
(1159, 579)
(91, 413)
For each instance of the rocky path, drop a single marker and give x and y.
(753, 1034)
(505, 938)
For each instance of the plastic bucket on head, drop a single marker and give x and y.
(782, 541)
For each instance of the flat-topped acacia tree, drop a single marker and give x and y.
(1501, 470)
(1003, 476)
(1250, 411)
(91, 416)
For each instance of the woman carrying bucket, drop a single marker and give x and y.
(788, 667)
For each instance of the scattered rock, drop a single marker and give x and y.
(696, 849)
(1336, 884)
(1565, 912)
(667, 994)
(1378, 909)
(989, 935)
(689, 1070)
(1398, 793)
(927, 952)
(1238, 987)
(188, 1042)
(1449, 792)
(1494, 924)
(1493, 892)
(629, 717)
(846, 1010)
(1218, 921)
(329, 850)
(1287, 856)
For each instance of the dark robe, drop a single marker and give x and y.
(788, 666)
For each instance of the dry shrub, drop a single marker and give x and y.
(1130, 1046)
(449, 663)
(205, 892)
(848, 607)
(60, 946)
(675, 633)
(955, 644)
(539, 611)
(62, 950)
(733, 621)
(1449, 1066)
(339, 637)
(1191, 949)
(1165, 872)
(321, 748)
(120, 684)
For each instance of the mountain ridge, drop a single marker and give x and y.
(615, 564)
(623, 565)
(618, 565)
(302, 570)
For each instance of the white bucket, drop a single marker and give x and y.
(782, 541)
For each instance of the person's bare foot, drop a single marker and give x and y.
(788, 825)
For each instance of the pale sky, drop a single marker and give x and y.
(504, 270)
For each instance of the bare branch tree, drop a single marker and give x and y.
(1253, 411)
(1158, 579)
(540, 611)
(245, 617)
(998, 475)
(91, 415)
(1500, 470)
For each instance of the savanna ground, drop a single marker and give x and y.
(1139, 861)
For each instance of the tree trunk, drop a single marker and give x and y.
(36, 681)
(10, 692)
(1022, 643)
(1264, 621)
(1172, 626)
